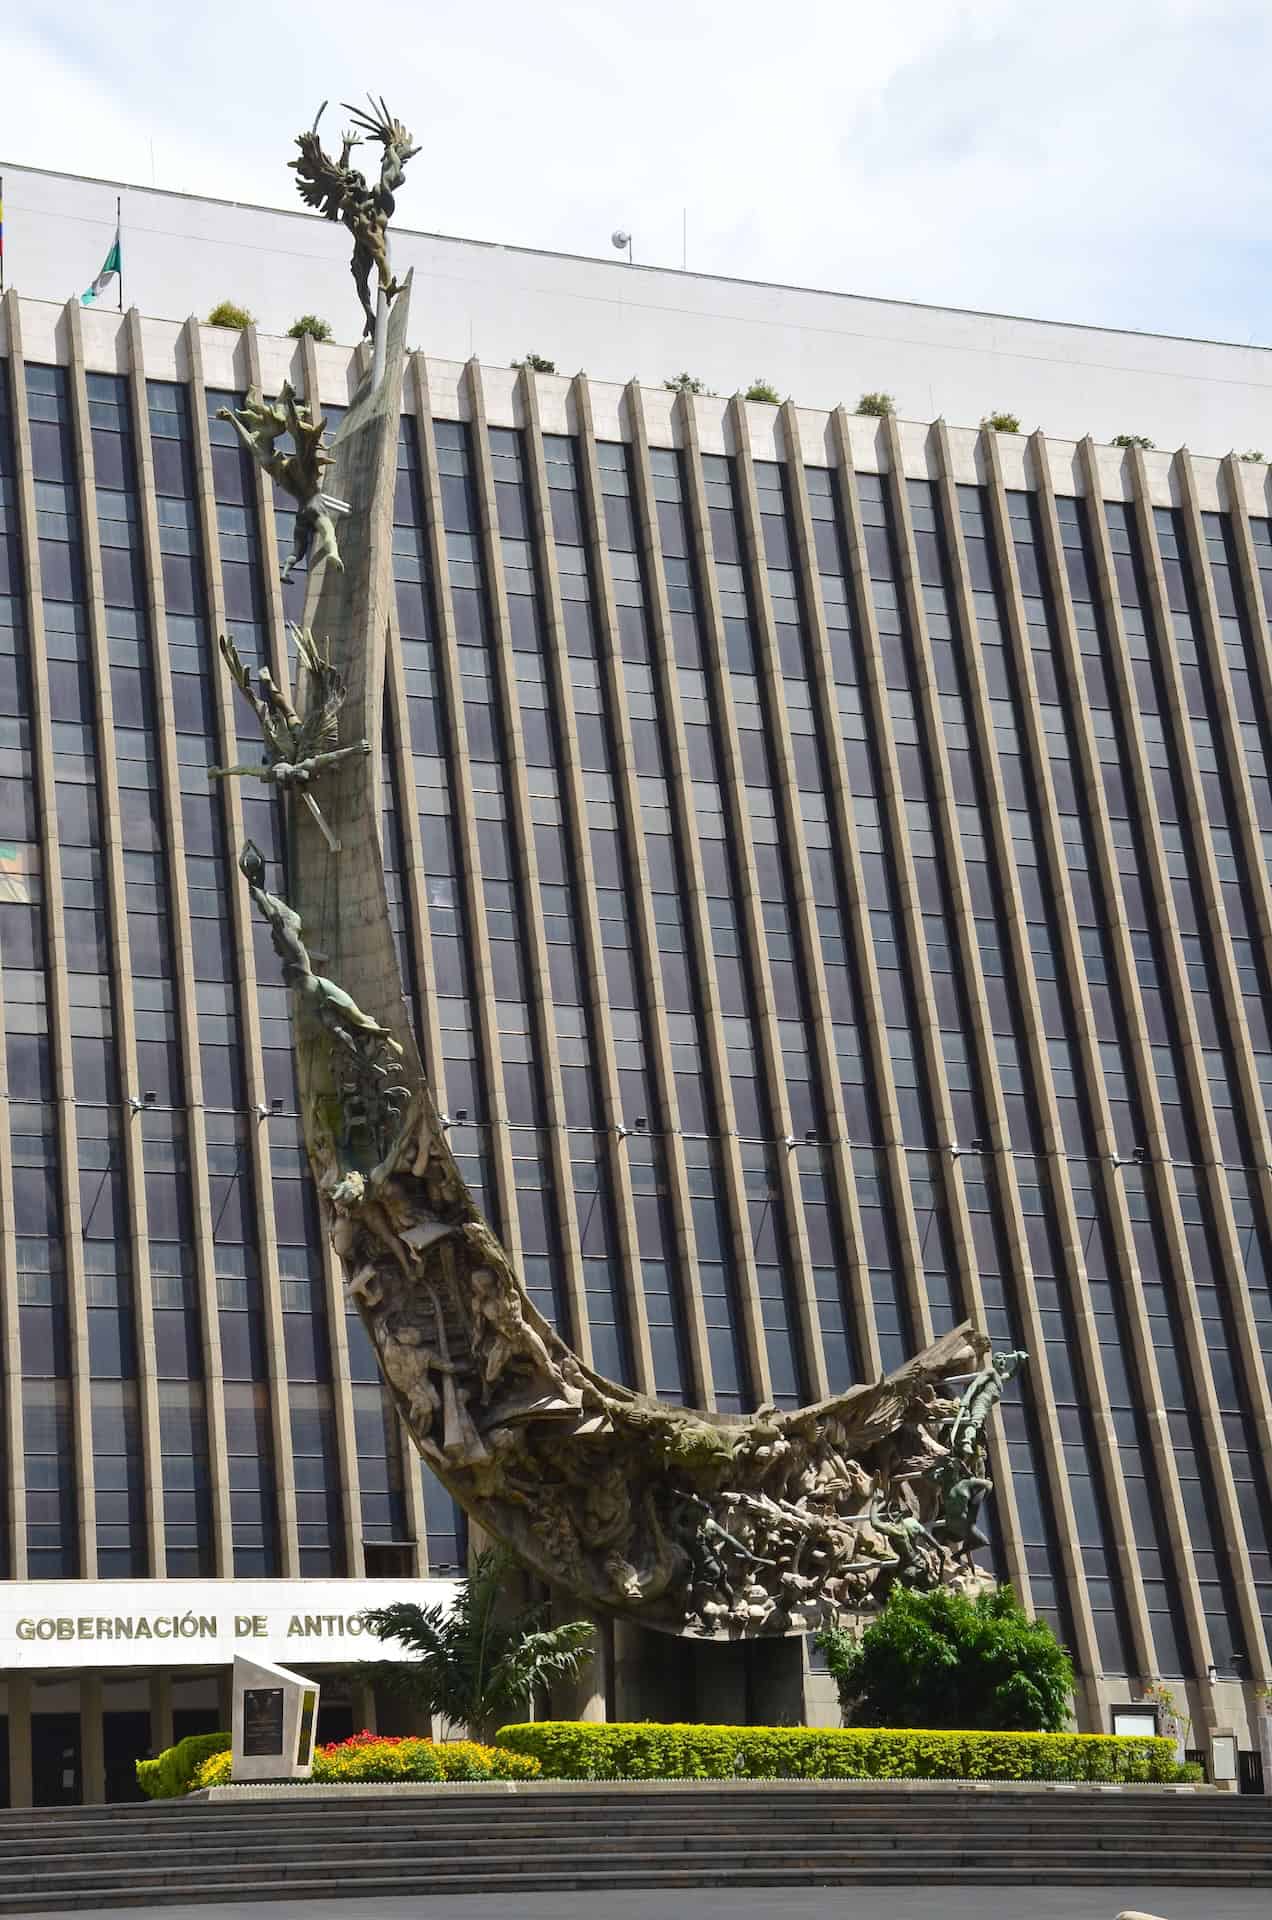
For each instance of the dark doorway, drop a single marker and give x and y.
(188, 1720)
(335, 1722)
(1250, 1772)
(126, 1739)
(56, 1774)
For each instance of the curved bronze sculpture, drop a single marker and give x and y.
(690, 1522)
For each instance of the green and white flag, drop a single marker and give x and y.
(112, 266)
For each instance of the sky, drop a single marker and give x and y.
(1104, 161)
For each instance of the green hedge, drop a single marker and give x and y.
(648, 1750)
(172, 1772)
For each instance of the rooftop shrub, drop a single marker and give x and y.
(1002, 422)
(226, 314)
(878, 405)
(645, 1750)
(686, 383)
(310, 324)
(761, 390)
(1133, 440)
(536, 363)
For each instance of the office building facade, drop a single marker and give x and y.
(829, 869)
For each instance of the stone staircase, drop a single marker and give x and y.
(563, 1837)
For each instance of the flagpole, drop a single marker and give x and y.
(119, 238)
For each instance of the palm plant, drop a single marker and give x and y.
(477, 1664)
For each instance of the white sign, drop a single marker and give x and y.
(199, 1623)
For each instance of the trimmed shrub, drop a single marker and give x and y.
(386, 1757)
(876, 405)
(647, 1750)
(309, 323)
(226, 314)
(172, 1772)
(1002, 422)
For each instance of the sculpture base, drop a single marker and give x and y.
(737, 1684)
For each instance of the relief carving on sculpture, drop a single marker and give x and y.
(694, 1523)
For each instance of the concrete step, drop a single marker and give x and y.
(376, 1884)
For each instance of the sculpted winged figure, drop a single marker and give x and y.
(341, 192)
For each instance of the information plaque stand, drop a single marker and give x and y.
(275, 1719)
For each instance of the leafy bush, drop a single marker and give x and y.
(310, 324)
(599, 1750)
(941, 1660)
(226, 314)
(536, 363)
(1254, 454)
(1002, 422)
(1133, 440)
(385, 1757)
(686, 383)
(761, 390)
(172, 1772)
(876, 404)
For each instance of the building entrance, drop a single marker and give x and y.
(125, 1741)
(56, 1772)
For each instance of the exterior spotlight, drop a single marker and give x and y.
(621, 1131)
(621, 239)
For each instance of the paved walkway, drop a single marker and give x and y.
(755, 1903)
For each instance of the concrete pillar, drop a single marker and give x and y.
(19, 1694)
(225, 1698)
(582, 1698)
(160, 1712)
(362, 1697)
(92, 1741)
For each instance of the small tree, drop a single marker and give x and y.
(941, 1660)
(876, 404)
(480, 1664)
(226, 314)
(536, 363)
(310, 324)
(1133, 440)
(1002, 422)
(761, 390)
(1254, 454)
(686, 383)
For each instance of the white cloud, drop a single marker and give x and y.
(1104, 162)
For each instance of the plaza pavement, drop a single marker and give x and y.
(933, 1902)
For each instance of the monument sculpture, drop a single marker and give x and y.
(691, 1522)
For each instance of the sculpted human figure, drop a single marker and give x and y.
(980, 1397)
(341, 192)
(507, 1335)
(297, 750)
(329, 1004)
(259, 426)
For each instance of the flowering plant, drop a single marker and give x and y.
(1175, 1723)
(368, 1756)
